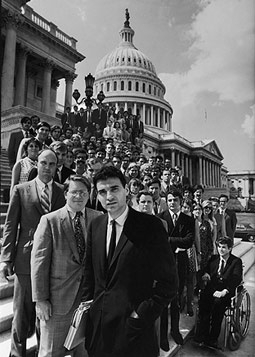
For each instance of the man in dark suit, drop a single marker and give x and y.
(65, 119)
(99, 116)
(225, 218)
(59, 251)
(181, 231)
(29, 201)
(75, 117)
(129, 273)
(223, 274)
(16, 138)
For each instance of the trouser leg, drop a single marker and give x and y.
(23, 315)
(218, 310)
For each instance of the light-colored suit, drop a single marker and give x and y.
(23, 216)
(57, 275)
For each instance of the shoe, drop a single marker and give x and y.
(164, 345)
(177, 337)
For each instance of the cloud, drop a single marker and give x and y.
(222, 55)
(248, 125)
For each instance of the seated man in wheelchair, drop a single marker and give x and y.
(222, 275)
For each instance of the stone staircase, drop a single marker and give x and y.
(244, 250)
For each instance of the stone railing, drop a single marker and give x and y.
(51, 28)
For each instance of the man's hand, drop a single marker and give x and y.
(220, 294)
(43, 310)
(5, 270)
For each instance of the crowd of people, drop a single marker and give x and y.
(90, 217)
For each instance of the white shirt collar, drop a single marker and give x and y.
(121, 219)
(172, 213)
(41, 184)
(73, 213)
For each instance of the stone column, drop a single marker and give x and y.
(173, 157)
(12, 21)
(177, 158)
(135, 108)
(47, 86)
(19, 98)
(125, 106)
(151, 121)
(187, 165)
(190, 171)
(158, 118)
(144, 114)
(69, 78)
(200, 170)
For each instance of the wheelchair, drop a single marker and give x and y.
(236, 319)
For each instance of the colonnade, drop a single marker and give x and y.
(150, 114)
(11, 96)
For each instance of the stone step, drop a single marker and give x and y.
(6, 314)
(5, 173)
(5, 342)
(2, 218)
(4, 207)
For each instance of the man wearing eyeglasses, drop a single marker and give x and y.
(57, 261)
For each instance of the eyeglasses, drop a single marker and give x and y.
(78, 193)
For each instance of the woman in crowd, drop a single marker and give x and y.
(22, 168)
(118, 132)
(134, 186)
(69, 161)
(132, 171)
(205, 237)
(76, 139)
(208, 216)
(193, 259)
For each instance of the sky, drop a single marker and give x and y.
(203, 51)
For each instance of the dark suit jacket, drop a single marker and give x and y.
(23, 216)
(182, 234)
(99, 116)
(13, 146)
(231, 277)
(55, 254)
(230, 222)
(141, 277)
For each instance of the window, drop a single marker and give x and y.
(144, 87)
(149, 89)
(155, 90)
(122, 85)
(114, 85)
(102, 87)
(137, 86)
(129, 85)
(39, 90)
(108, 86)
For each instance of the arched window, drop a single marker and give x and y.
(149, 89)
(102, 87)
(129, 85)
(122, 85)
(114, 85)
(155, 91)
(108, 86)
(143, 87)
(137, 86)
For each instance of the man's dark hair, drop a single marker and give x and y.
(175, 193)
(198, 187)
(223, 196)
(76, 178)
(41, 124)
(25, 120)
(54, 127)
(225, 240)
(68, 128)
(80, 151)
(109, 172)
(143, 192)
(152, 182)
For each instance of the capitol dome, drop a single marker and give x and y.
(128, 79)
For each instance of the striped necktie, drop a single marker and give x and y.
(45, 201)
(175, 218)
(112, 245)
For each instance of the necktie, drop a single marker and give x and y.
(223, 225)
(59, 175)
(156, 207)
(78, 235)
(221, 267)
(45, 201)
(174, 218)
(26, 134)
(112, 242)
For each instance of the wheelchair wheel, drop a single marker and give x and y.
(234, 341)
(243, 311)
